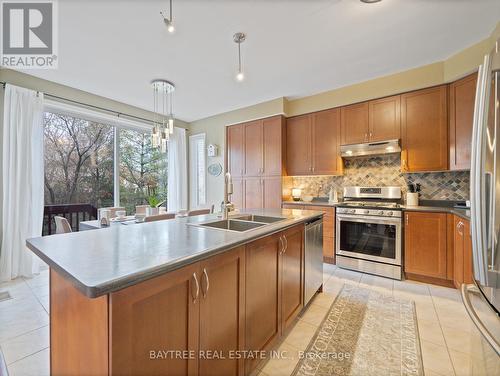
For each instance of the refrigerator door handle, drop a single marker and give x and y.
(476, 176)
(466, 289)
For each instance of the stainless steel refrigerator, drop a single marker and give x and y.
(482, 299)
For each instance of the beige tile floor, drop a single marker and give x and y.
(443, 323)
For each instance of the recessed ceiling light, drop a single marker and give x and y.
(370, 1)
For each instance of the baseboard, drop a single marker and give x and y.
(328, 260)
(431, 280)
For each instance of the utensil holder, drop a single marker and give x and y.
(412, 199)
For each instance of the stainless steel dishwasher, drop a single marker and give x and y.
(313, 263)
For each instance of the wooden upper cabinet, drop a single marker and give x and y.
(222, 317)
(235, 150)
(354, 120)
(426, 244)
(326, 143)
(424, 130)
(292, 281)
(144, 319)
(263, 298)
(272, 146)
(254, 156)
(461, 109)
(385, 119)
(298, 145)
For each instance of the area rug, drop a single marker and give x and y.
(364, 333)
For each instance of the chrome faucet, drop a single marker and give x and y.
(227, 206)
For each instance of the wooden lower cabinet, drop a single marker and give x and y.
(185, 322)
(328, 231)
(274, 288)
(438, 248)
(263, 298)
(426, 248)
(144, 319)
(222, 313)
(462, 252)
(292, 277)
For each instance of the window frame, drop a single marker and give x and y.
(194, 200)
(113, 120)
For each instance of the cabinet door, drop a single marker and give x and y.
(292, 268)
(235, 150)
(298, 145)
(326, 143)
(462, 96)
(253, 193)
(254, 163)
(272, 139)
(222, 315)
(161, 313)
(385, 119)
(272, 193)
(424, 130)
(262, 293)
(238, 196)
(426, 244)
(354, 120)
(328, 231)
(468, 272)
(458, 259)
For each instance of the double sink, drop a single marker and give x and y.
(240, 223)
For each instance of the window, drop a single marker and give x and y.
(197, 171)
(99, 159)
(143, 169)
(78, 158)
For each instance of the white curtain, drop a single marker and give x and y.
(177, 198)
(22, 181)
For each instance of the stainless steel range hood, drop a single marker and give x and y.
(370, 148)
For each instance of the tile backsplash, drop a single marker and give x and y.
(385, 171)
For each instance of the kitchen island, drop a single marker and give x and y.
(172, 297)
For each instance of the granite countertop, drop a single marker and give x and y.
(102, 261)
(439, 206)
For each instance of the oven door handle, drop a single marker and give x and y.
(369, 219)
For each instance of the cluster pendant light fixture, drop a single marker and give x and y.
(163, 121)
(169, 21)
(239, 38)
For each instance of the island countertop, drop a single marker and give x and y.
(101, 261)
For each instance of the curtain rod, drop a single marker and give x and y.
(118, 114)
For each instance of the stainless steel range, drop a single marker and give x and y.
(368, 228)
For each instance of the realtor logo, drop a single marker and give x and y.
(29, 34)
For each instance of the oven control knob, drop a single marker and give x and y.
(367, 211)
(352, 211)
(381, 212)
(389, 213)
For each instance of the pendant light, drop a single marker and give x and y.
(169, 21)
(239, 38)
(163, 118)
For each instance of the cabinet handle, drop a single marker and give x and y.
(407, 219)
(205, 274)
(371, 134)
(282, 245)
(460, 226)
(286, 244)
(366, 136)
(197, 288)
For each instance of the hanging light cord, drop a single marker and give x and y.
(239, 57)
(171, 19)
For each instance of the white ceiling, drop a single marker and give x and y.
(294, 48)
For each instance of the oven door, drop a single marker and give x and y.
(369, 238)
